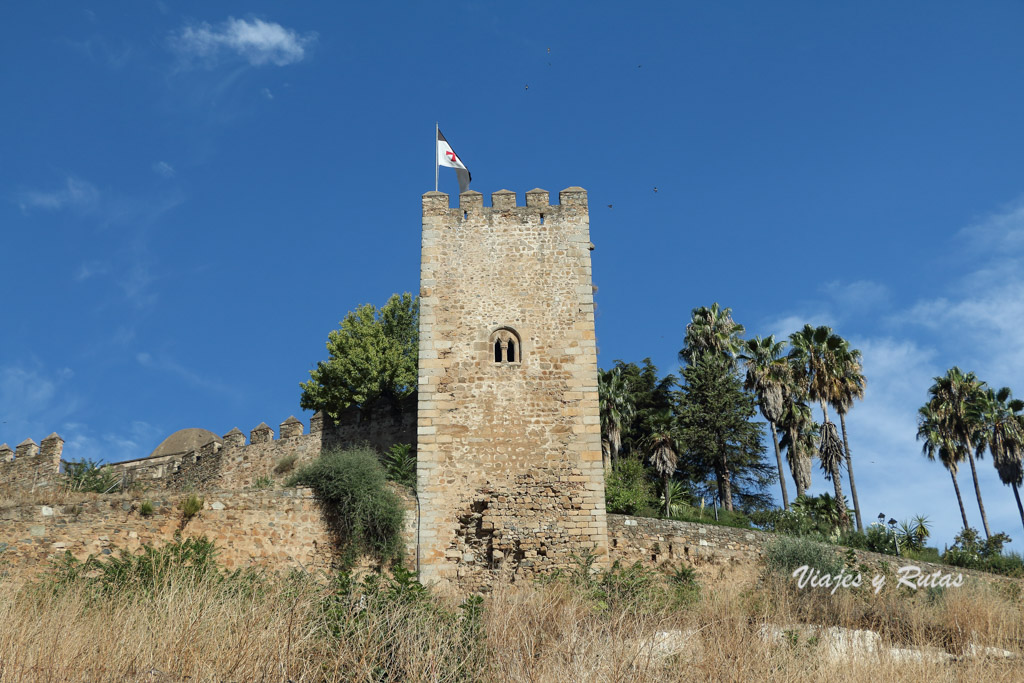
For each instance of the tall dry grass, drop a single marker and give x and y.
(297, 629)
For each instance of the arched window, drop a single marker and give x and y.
(508, 348)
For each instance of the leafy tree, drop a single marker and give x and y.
(769, 377)
(813, 355)
(648, 395)
(955, 400)
(938, 445)
(716, 420)
(616, 407)
(373, 355)
(629, 490)
(663, 444)
(1004, 434)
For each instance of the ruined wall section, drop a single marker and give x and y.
(31, 468)
(509, 458)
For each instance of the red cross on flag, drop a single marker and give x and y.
(446, 156)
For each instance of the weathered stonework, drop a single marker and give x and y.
(510, 476)
(276, 530)
(29, 468)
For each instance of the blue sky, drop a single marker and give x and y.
(193, 194)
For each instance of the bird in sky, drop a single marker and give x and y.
(609, 206)
(655, 188)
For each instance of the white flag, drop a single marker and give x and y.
(446, 156)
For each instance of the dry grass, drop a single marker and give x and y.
(300, 630)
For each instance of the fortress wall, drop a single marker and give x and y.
(227, 463)
(30, 468)
(277, 530)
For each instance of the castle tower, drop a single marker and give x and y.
(510, 477)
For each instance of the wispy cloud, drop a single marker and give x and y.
(172, 367)
(90, 269)
(162, 168)
(33, 400)
(256, 41)
(75, 194)
(82, 443)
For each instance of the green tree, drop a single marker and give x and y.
(372, 355)
(1004, 435)
(616, 407)
(716, 419)
(663, 446)
(769, 377)
(800, 440)
(711, 331)
(938, 445)
(648, 394)
(814, 358)
(956, 400)
(850, 386)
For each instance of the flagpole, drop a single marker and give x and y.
(436, 130)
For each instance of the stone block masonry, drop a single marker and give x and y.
(510, 476)
(276, 530)
(31, 468)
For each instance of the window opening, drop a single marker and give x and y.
(497, 351)
(511, 351)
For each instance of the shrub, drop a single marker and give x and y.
(400, 465)
(970, 552)
(785, 554)
(364, 514)
(88, 476)
(189, 561)
(286, 464)
(260, 483)
(146, 508)
(629, 490)
(190, 506)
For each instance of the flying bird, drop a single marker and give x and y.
(609, 206)
(527, 87)
(655, 188)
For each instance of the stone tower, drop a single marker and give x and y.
(510, 477)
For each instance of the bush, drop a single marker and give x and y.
(88, 476)
(363, 513)
(400, 465)
(261, 483)
(628, 490)
(785, 554)
(189, 561)
(970, 552)
(286, 464)
(146, 508)
(190, 506)
(733, 518)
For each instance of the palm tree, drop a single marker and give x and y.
(956, 399)
(938, 444)
(617, 410)
(1004, 433)
(814, 356)
(711, 330)
(663, 443)
(769, 377)
(799, 438)
(849, 388)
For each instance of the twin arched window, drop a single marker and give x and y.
(506, 346)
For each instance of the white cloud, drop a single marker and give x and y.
(164, 169)
(76, 194)
(33, 400)
(80, 443)
(786, 325)
(170, 366)
(266, 93)
(256, 41)
(856, 297)
(90, 269)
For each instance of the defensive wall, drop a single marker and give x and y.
(225, 463)
(282, 530)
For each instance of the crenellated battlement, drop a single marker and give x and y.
(504, 207)
(222, 462)
(31, 467)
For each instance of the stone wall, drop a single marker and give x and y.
(30, 468)
(230, 463)
(278, 530)
(509, 457)
(661, 543)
